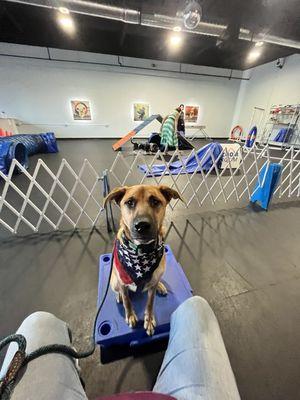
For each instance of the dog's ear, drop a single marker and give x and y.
(169, 193)
(116, 194)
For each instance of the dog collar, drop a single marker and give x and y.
(136, 263)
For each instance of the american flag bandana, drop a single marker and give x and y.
(136, 263)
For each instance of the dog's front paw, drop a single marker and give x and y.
(131, 319)
(149, 324)
(161, 289)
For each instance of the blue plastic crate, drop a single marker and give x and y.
(114, 336)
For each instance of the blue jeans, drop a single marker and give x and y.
(195, 367)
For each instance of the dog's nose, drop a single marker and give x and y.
(142, 226)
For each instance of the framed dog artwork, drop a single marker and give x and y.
(81, 110)
(191, 114)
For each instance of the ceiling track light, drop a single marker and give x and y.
(66, 23)
(259, 44)
(177, 28)
(63, 10)
(253, 55)
(175, 41)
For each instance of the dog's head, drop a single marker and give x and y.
(143, 209)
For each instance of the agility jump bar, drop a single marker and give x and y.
(126, 138)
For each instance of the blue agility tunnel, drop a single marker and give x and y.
(10, 150)
(22, 146)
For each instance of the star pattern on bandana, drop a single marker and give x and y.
(138, 261)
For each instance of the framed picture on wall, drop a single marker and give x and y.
(81, 110)
(191, 114)
(141, 111)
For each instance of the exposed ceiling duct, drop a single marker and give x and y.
(245, 34)
(131, 16)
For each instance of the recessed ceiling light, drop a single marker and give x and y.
(177, 29)
(254, 55)
(175, 40)
(63, 10)
(66, 23)
(259, 44)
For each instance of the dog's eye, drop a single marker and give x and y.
(154, 202)
(130, 203)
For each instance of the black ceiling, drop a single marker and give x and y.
(25, 24)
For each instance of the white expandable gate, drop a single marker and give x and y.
(213, 185)
(63, 203)
(80, 197)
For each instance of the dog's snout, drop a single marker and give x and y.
(142, 226)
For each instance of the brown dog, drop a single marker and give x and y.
(139, 257)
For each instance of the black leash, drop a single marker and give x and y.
(108, 208)
(21, 359)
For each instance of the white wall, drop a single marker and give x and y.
(38, 92)
(268, 85)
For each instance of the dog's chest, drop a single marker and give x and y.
(138, 262)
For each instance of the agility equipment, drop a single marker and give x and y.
(266, 184)
(169, 138)
(39, 143)
(203, 159)
(284, 135)
(10, 150)
(183, 143)
(236, 133)
(126, 138)
(251, 137)
(282, 126)
(22, 146)
(115, 338)
(199, 132)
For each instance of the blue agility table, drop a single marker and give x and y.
(115, 337)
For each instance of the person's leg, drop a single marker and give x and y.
(49, 377)
(196, 364)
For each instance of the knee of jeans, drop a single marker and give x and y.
(40, 318)
(195, 305)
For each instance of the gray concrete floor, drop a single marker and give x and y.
(245, 263)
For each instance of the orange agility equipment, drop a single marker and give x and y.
(126, 138)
